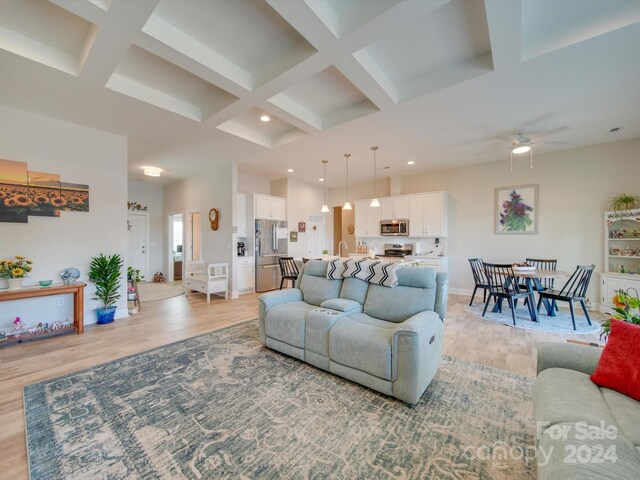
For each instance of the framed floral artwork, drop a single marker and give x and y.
(516, 209)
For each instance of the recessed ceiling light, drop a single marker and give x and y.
(265, 118)
(321, 179)
(411, 162)
(152, 171)
(290, 170)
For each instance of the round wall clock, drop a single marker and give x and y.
(214, 215)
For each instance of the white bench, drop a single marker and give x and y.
(210, 279)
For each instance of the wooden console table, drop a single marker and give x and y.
(77, 289)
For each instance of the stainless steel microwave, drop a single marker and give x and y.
(394, 228)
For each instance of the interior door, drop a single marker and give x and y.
(137, 242)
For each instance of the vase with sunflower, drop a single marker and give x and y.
(14, 270)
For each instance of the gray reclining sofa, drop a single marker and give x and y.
(388, 339)
(585, 432)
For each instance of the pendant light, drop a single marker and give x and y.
(374, 203)
(325, 207)
(347, 205)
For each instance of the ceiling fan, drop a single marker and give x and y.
(522, 143)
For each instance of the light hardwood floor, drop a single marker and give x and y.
(170, 320)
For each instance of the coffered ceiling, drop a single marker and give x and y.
(430, 81)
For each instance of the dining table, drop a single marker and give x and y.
(533, 278)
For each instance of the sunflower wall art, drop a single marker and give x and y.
(25, 193)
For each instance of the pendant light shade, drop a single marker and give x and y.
(374, 202)
(325, 207)
(347, 204)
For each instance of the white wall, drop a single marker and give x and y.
(150, 195)
(573, 187)
(249, 184)
(79, 155)
(304, 199)
(214, 187)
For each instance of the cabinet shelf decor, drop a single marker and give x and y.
(621, 255)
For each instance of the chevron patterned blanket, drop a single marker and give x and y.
(371, 271)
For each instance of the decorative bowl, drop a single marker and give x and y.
(45, 283)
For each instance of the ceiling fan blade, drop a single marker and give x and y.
(487, 152)
(507, 139)
(550, 132)
(553, 142)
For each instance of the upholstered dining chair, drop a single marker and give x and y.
(479, 278)
(288, 270)
(574, 290)
(503, 285)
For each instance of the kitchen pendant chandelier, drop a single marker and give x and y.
(325, 207)
(347, 205)
(374, 203)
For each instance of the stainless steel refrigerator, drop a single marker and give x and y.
(271, 243)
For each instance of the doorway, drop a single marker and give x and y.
(344, 230)
(316, 233)
(176, 229)
(193, 237)
(137, 242)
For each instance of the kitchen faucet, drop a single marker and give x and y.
(340, 247)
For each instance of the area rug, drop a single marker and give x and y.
(222, 406)
(561, 323)
(152, 291)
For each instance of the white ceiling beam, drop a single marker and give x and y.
(86, 10)
(301, 17)
(124, 21)
(179, 41)
(189, 64)
(504, 23)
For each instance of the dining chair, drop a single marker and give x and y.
(503, 284)
(573, 291)
(288, 270)
(544, 264)
(479, 278)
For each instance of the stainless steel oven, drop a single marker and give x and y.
(394, 228)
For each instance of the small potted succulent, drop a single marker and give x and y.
(104, 271)
(325, 254)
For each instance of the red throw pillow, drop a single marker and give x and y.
(619, 365)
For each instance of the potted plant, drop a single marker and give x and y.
(13, 271)
(325, 254)
(134, 275)
(104, 271)
(627, 308)
(624, 201)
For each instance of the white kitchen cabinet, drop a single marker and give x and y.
(436, 220)
(439, 264)
(428, 215)
(271, 208)
(367, 219)
(242, 215)
(246, 276)
(394, 208)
